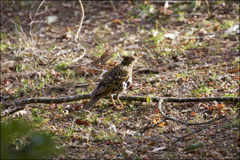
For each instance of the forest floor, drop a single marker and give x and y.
(183, 49)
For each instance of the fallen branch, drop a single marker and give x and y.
(129, 98)
(183, 122)
(180, 121)
(181, 137)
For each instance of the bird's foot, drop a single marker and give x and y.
(117, 107)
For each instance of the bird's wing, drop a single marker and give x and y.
(109, 82)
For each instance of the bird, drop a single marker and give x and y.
(116, 81)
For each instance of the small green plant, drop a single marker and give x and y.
(236, 61)
(235, 122)
(157, 36)
(227, 24)
(181, 16)
(230, 95)
(20, 141)
(214, 76)
(25, 85)
(62, 66)
(51, 47)
(203, 89)
(102, 12)
(100, 50)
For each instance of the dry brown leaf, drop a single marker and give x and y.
(151, 143)
(90, 82)
(84, 70)
(104, 66)
(220, 106)
(117, 21)
(233, 70)
(193, 114)
(77, 107)
(108, 143)
(158, 120)
(125, 119)
(156, 111)
(211, 83)
(67, 29)
(136, 20)
(203, 67)
(216, 122)
(210, 108)
(80, 122)
(216, 26)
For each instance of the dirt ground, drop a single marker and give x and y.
(184, 49)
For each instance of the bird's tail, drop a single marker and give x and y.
(91, 102)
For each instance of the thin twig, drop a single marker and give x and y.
(80, 26)
(189, 134)
(183, 122)
(184, 130)
(34, 18)
(175, 119)
(84, 85)
(84, 52)
(38, 22)
(186, 123)
(148, 127)
(104, 71)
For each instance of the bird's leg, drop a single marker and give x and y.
(111, 96)
(119, 101)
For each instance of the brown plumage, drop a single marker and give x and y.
(116, 81)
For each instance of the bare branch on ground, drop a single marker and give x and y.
(123, 97)
(180, 121)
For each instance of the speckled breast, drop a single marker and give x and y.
(122, 87)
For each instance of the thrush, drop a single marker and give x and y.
(116, 81)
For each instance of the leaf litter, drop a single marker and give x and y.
(187, 50)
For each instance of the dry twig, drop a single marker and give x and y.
(180, 121)
(80, 26)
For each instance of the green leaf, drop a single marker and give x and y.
(44, 121)
(193, 146)
(229, 95)
(147, 99)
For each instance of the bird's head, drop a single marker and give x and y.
(129, 60)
